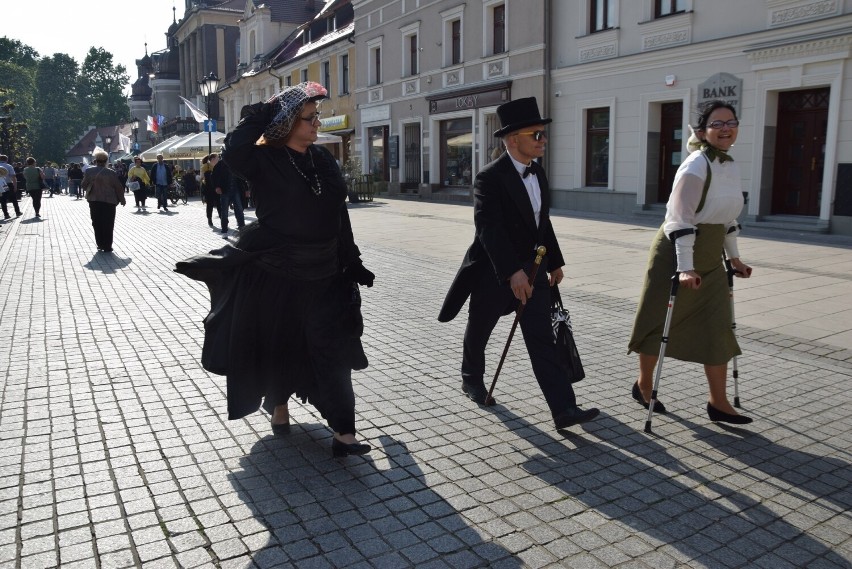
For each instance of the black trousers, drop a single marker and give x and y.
(10, 196)
(489, 301)
(103, 221)
(36, 196)
(140, 195)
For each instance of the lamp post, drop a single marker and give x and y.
(108, 144)
(134, 125)
(209, 85)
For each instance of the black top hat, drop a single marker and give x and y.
(517, 114)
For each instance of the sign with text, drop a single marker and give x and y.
(723, 86)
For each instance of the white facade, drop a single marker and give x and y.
(786, 62)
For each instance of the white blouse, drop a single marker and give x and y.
(723, 204)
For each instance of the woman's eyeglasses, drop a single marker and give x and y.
(312, 117)
(733, 123)
(536, 134)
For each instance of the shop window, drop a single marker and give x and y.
(597, 147)
(377, 152)
(457, 152)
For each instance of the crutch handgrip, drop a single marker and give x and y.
(540, 252)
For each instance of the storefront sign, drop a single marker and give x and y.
(471, 99)
(336, 122)
(372, 114)
(722, 86)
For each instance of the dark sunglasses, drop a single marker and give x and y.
(536, 134)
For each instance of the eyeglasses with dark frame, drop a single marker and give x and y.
(312, 117)
(733, 123)
(536, 134)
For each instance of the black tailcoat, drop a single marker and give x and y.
(506, 233)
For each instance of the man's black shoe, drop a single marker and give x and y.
(478, 393)
(575, 416)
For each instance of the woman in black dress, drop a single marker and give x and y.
(285, 314)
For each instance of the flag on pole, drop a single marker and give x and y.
(124, 142)
(197, 114)
(151, 123)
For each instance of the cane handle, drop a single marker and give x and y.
(540, 252)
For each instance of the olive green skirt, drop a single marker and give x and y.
(701, 320)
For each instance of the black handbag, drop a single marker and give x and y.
(563, 337)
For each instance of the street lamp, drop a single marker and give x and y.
(108, 144)
(209, 85)
(134, 125)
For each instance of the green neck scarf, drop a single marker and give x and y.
(714, 153)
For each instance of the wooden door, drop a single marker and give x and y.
(671, 147)
(800, 152)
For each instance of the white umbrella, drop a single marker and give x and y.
(150, 155)
(195, 146)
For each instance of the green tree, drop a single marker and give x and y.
(18, 84)
(58, 121)
(16, 53)
(100, 89)
(13, 140)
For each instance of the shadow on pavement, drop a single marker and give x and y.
(107, 263)
(376, 510)
(656, 493)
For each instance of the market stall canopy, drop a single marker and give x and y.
(195, 146)
(325, 138)
(150, 155)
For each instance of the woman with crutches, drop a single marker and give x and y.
(705, 201)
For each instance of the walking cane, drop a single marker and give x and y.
(539, 254)
(673, 236)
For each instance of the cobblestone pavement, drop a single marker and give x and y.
(115, 450)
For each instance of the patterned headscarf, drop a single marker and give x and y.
(289, 103)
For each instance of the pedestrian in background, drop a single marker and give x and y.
(703, 207)
(138, 173)
(10, 187)
(104, 192)
(211, 198)
(512, 217)
(49, 177)
(62, 178)
(162, 178)
(34, 184)
(227, 190)
(75, 179)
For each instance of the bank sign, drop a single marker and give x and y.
(722, 86)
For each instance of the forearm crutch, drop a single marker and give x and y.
(673, 236)
(540, 252)
(731, 271)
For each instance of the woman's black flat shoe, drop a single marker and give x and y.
(722, 417)
(339, 449)
(280, 429)
(658, 406)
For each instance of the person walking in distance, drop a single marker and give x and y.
(34, 182)
(138, 173)
(10, 187)
(161, 176)
(512, 218)
(104, 192)
(223, 182)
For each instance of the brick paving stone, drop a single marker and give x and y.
(135, 449)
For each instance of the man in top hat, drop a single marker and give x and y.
(511, 216)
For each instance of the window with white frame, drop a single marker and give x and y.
(597, 147)
(288, 81)
(374, 61)
(494, 27)
(326, 75)
(304, 74)
(343, 66)
(410, 49)
(669, 7)
(602, 15)
(453, 39)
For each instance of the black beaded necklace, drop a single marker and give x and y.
(316, 189)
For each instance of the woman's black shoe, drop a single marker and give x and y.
(658, 406)
(339, 449)
(722, 417)
(280, 428)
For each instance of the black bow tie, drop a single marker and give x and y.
(527, 171)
